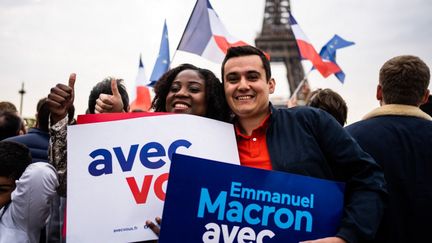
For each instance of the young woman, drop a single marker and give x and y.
(191, 90)
(188, 89)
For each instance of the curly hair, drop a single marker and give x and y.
(14, 159)
(217, 108)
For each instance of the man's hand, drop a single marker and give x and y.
(60, 99)
(110, 103)
(326, 240)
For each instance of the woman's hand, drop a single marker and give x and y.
(155, 228)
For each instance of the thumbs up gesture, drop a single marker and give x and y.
(107, 103)
(60, 99)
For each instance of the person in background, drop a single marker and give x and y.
(109, 95)
(10, 107)
(329, 101)
(301, 140)
(325, 99)
(399, 136)
(26, 190)
(37, 137)
(10, 124)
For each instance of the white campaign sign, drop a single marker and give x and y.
(117, 171)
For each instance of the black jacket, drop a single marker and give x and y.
(308, 141)
(399, 138)
(37, 141)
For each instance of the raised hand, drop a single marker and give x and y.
(60, 99)
(292, 102)
(107, 103)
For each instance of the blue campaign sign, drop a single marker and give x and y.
(209, 201)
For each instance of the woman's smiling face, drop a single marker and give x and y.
(187, 94)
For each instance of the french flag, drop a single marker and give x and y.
(142, 101)
(205, 35)
(307, 51)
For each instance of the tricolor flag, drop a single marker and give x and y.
(205, 35)
(163, 59)
(142, 101)
(307, 51)
(328, 52)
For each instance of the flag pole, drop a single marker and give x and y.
(172, 60)
(304, 80)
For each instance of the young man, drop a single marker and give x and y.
(399, 136)
(37, 137)
(25, 194)
(301, 140)
(10, 124)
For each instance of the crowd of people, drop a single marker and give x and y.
(384, 159)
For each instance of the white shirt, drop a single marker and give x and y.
(29, 209)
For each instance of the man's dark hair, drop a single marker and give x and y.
(42, 116)
(14, 159)
(104, 87)
(217, 108)
(240, 51)
(404, 80)
(331, 102)
(10, 124)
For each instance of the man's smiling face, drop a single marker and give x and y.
(246, 86)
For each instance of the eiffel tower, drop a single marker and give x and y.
(277, 39)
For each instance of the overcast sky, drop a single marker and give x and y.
(42, 41)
